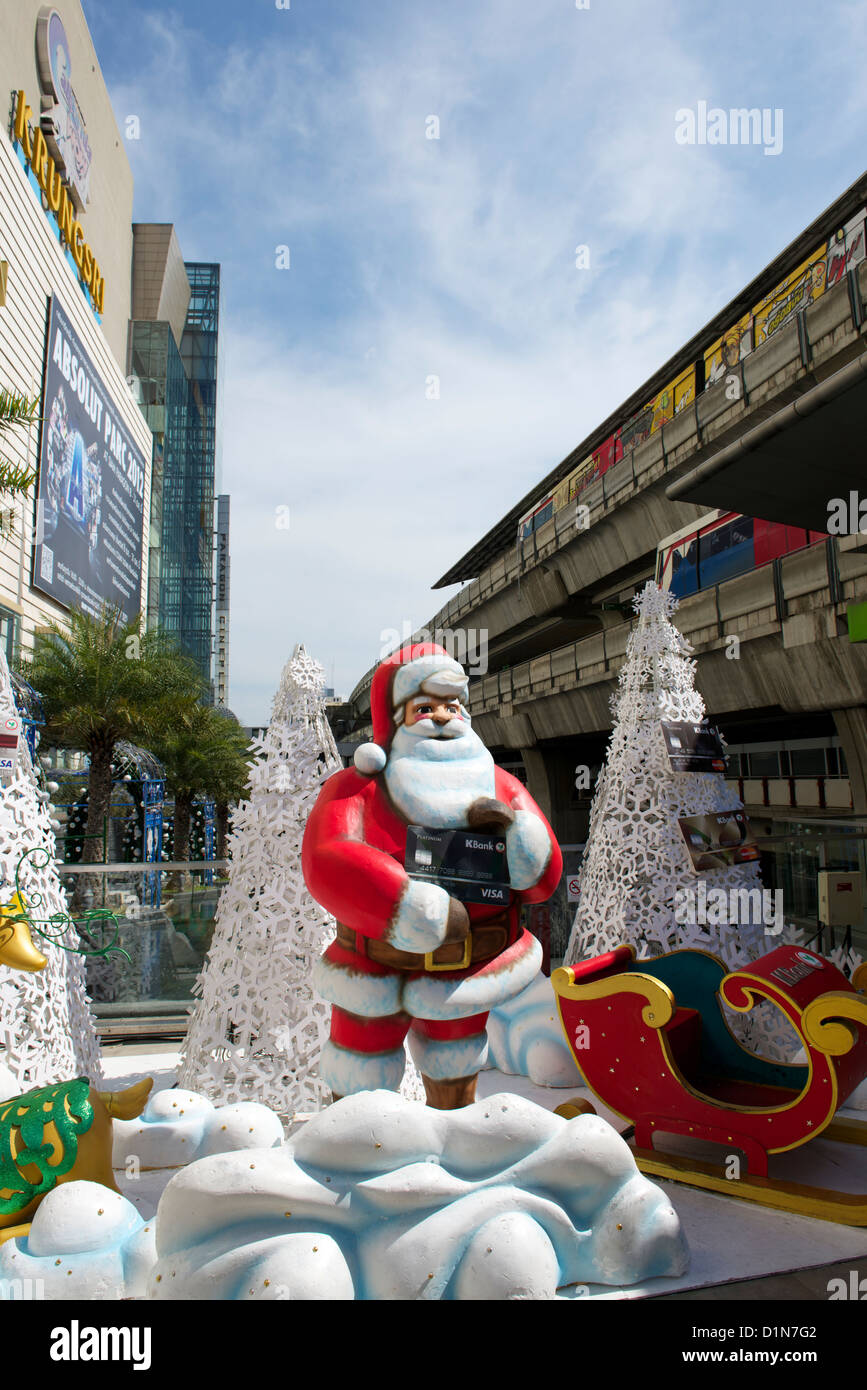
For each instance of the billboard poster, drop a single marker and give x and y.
(672, 399)
(694, 747)
(636, 429)
(794, 293)
(718, 839)
(61, 119)
(152, 800)
(845, 250)
(609, 452)
(90, 489)
(725, 354)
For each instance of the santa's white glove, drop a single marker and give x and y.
(528, 850)
(421, 919)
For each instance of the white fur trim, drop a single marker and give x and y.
(420, 924)
(436, 997)
(371, 996)
(528, 850)
(409, 678)
(369, 758)
(348, 1072)
(443, 1060)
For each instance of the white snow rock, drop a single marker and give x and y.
(380, 1198)
(525, 1038)
(85, 1242)
(177, 1126)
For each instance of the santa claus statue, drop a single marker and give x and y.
(410, 956)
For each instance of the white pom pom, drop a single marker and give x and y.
(369, 758)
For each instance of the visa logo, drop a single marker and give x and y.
(492, 893)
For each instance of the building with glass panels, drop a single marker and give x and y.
(173, 361)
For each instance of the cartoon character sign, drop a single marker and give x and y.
(411, 956)
(61, 120)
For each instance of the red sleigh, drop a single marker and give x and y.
(652, 1042)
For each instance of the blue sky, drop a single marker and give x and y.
(454, 257)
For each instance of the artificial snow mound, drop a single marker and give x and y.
(177, 1126)
(86, 1242)
(526, 1038)
(380, 1198)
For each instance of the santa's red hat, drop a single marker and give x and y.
(401, 676)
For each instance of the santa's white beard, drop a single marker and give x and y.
(434, 781)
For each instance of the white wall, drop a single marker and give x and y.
(107, 220)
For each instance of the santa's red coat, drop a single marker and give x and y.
(353, 860)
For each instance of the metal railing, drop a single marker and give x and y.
(166, 945)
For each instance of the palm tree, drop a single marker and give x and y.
(16, 408)
(232, 784)
(205, 754)
(101, 681)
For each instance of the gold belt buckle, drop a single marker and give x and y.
(431, 964)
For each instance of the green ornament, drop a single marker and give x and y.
(66, 1105)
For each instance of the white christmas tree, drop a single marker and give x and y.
(47, 1030)
(258, 1028)
(635, 877)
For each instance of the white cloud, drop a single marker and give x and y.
(454, 257)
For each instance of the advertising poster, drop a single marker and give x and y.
(718, 839)
(793, 294)
(152, 800)
(609, 452)
(845, 249)
(636, 429)
(672, 399)
(90, 489)
(725, 354)
(694, 747)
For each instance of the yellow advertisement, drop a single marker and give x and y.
(794, 293)
(673, 398)
(582, 477)
(725, 354)
(561, 494)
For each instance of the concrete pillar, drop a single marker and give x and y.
(852, 732)
(538, 783)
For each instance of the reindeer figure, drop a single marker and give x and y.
(57, 1133)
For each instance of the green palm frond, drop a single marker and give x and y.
(204, 754)
(101, 680)
(15, 479)
(16, 408)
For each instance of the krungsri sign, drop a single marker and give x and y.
(52, 181)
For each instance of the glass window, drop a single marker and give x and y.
(808, 762)
(684, 575)
(764, 764)
(10, 634)
(726, 551)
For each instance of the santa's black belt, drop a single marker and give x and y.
(484, 941)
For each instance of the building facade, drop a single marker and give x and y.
(65, 249)
(173, 369)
